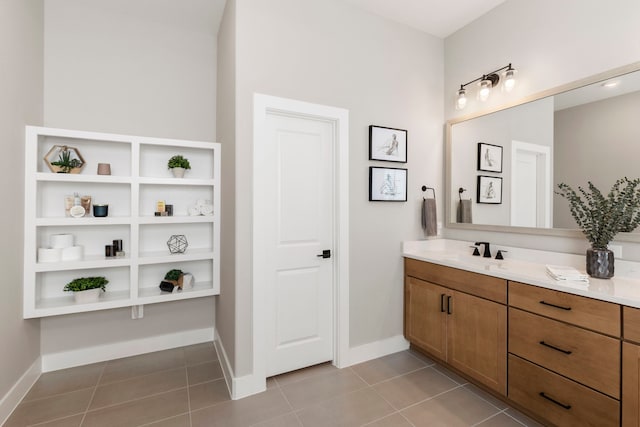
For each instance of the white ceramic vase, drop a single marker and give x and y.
(90, 295)
(178, 172)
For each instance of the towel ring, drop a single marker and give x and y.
(425, 188)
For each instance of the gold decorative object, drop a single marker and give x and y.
(64, 159)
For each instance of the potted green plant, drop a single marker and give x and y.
(172, 279)
(178, 165)
(600, 218)
(66, 163)
(86, 289)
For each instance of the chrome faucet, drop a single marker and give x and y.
(487, 251)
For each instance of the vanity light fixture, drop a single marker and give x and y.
(486, 83)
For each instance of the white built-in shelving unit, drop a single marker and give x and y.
(139, 179)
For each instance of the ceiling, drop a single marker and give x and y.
(440, 18)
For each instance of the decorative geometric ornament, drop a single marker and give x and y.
(64, 159)
(177, 244)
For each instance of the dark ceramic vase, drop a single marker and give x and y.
(600, 263)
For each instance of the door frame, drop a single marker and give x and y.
(539, 150)
(339, 117)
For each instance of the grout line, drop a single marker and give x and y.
(487, 419)
(186, 373)
(432, 397)
(466, 386)
(93, 395)
(162, 419)
(415, 356)
(136, 399)
(395, 377)
(41, 423)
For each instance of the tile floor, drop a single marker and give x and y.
(184, 387)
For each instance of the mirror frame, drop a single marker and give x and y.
(558, 232)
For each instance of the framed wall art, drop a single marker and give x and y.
(489, 189)
(387, 144)
(387, 184)
(489, 157)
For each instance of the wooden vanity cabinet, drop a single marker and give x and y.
(460, 318)
(564, 356)
(631, 367)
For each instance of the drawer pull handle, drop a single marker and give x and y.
(442, 303)
(555, 348)
(449, 305)
(554, 401)
(555, 306)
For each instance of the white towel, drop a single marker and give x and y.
(561, 272)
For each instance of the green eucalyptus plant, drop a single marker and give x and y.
(66, 163)
(86, 283)
(178, 161)
(600, 218)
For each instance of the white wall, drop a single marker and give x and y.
(226, 125)
(331, 53)
(145, 68)
(21, 47)
(552, 43)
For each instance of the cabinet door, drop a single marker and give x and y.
(630, 385)
(477, 339)
(425, 310)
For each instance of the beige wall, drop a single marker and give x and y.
(142, 68)
(21, 47)
(331, 53)
(552, 43)
(226, 125)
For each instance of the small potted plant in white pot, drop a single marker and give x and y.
(600, 218)
(86, 289)
(178, 165)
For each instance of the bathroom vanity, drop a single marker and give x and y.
(566, 353)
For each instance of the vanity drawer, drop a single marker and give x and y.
(589, 313)
(631, 328)
(480, 285)
(558, 399)
(587, 357)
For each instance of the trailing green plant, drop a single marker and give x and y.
(600, 218)
(173, 274)
(178, 161)
(86, 283)
(65, 162)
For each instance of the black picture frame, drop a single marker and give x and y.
(387, 144)
(489, 190)
(387, 184)
(489, 157)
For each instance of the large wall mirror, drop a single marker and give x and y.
(509, 161)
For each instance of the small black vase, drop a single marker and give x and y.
(600, 263)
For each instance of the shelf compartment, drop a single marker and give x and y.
(156, 156)
(51, 299)
(50, 197)
(151, 275)
(153, 239)
(182, 198)
(117, 153)
(93, 239)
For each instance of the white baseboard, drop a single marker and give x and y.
(19, 390)
(239, 387)
(377, 349)
(101, 353)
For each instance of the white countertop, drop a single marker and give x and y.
(528, 266)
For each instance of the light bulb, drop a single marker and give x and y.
(485, 89)
(461, 100)
(509, 79)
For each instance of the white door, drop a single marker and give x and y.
(300, 210)
(530, 185)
